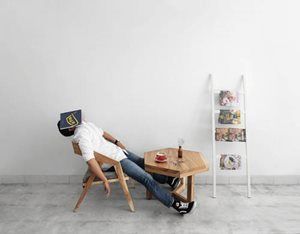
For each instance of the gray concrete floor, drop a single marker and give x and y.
(47, 208)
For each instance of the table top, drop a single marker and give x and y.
(192, 162)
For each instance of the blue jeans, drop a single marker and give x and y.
(133, 166)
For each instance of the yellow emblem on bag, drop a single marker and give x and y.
(71, 120)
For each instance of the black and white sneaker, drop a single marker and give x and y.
(184, 207)
(174, 182)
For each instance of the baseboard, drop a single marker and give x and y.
(255, 179)
(199, 179)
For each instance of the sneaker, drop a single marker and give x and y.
(184, 207)
(174, 182)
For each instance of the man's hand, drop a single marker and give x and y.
(106, 188)
(96, 169)
(121, 145)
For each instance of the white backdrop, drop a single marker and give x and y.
(139, 69)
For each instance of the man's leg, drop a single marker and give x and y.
(137, 173)
(140, 162)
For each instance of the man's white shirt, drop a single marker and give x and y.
(90, 138)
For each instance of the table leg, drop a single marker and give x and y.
(148, 195)
(190, 188)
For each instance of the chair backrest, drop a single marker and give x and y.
(100, 158)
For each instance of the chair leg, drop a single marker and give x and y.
(131, 183)
(148, 195)
(84, 191)
(123, 184)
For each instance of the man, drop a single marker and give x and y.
(91, 138)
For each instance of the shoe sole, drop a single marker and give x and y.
(176, 185)
(192, 210)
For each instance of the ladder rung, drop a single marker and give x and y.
(217, 91)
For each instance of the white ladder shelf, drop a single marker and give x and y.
(214, 156)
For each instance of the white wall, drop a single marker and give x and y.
(139, 69)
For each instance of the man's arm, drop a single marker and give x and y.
(96, 169)
(113, 140)
(87, 152)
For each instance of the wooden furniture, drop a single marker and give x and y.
(120, 177)
(191, 164)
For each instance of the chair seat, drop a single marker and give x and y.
(109, 175)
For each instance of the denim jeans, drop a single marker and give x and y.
(133, 166)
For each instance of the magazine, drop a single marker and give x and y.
(70, 119)
(230, 162)
(228, 98)
(230, 117)
(230, 134)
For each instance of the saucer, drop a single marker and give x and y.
(161, 161)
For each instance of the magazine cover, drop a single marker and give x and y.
(230, 134)
(228, 98)
(230, 162)
(70, 119)
(230, 117)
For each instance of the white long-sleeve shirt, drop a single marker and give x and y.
(90, 138)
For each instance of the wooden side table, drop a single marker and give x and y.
(191, 164)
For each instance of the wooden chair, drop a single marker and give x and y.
(120, 177)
